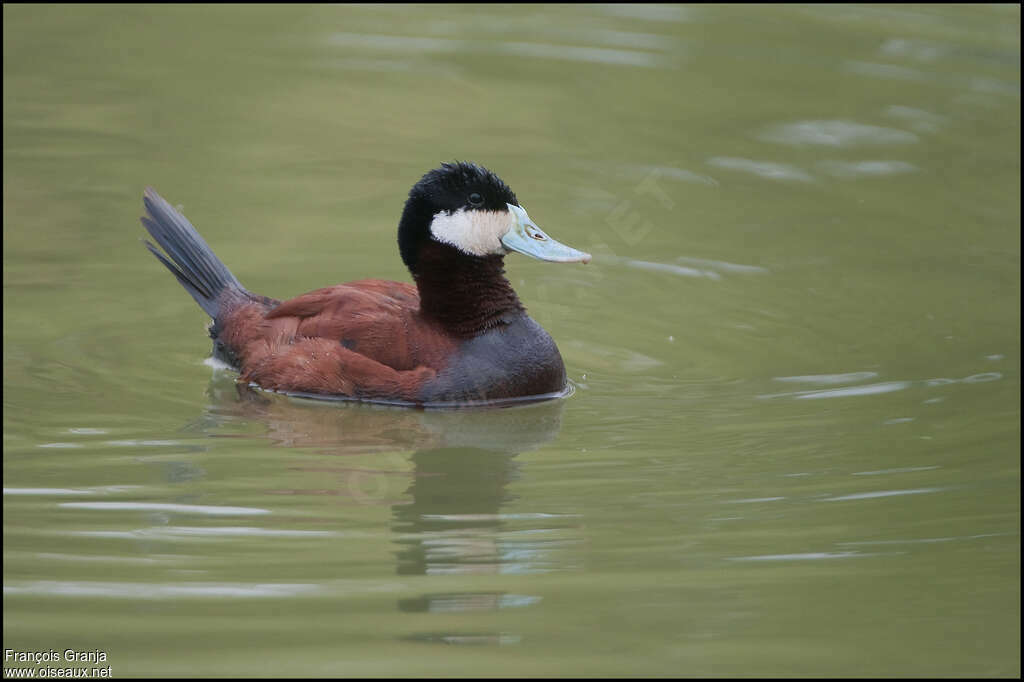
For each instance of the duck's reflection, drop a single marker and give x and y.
(451, 525)
(449, 520)
(362, 429)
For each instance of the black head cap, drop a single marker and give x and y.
(453, 186)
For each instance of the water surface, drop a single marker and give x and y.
(793, 447)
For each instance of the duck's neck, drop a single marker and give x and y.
(467, 295)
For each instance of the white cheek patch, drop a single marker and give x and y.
(477, 233)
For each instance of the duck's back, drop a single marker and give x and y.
(375, 318)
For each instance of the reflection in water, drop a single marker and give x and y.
(451, 638)
(466, 601)
(340, 428)
(450, 520)
(452, 523)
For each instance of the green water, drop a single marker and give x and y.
(793, 447)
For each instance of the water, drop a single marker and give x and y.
(793, 443)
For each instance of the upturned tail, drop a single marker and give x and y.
(194, 264)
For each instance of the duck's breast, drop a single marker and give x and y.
(516, 359)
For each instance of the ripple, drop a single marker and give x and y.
(70, 491)
(981, 84)
(202, 531)
(858, 169)
(361, 64)
(882, 493)
(887, 71)
(993, 85)
(982, 378)
(147, 443)
(46, 491)
(541, 25)
(670, 268)
(918, 119)
(602, 36)
(489, 639)
(388, 42)
(724, 265)
(218, 364)
(807, 556)
(180, 533)
(900, 470)
(673, 13)
(69, 588)
(829, 378)
(870, 389)
(916, 541)
(112, 558)
(835, 133)
(593, 55)
(469, 601)
(765, 169)
(706, 268)
(495, 517)
(158, 506)
(917, 50)
(594, 355)
(672, 173)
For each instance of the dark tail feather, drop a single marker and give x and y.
(194, 264)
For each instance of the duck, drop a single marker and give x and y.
(457, 335)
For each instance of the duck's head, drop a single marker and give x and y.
(467, 207)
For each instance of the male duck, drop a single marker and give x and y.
(459, 336)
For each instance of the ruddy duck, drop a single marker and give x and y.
(459, 336)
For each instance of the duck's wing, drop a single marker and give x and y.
(374, 318)
(362, 339)
(319, 366)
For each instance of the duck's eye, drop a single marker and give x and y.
(475, 199)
